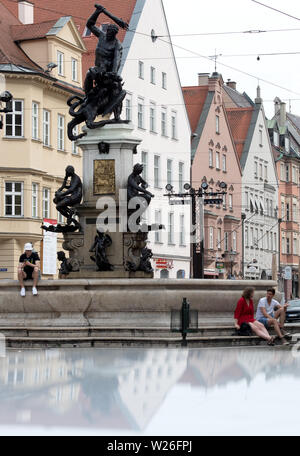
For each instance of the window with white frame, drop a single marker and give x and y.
(171, 228)
(170, 172)
(158, 222)
(282, 210)
(181, 176)
(256, 240)
(46, 203)
(219, 238)
(74, 147)
(46, 127)
(266, 172)
(164, 122)
(174, 124)
(145, 165)
(230, 201)
(60, 132)
(246, 237)
(288, 246)
(262, 243)
(224, 202)
(128, 107)
(256, 169)
(164, 80)
(234, 243)
(288, 213)
(156, 171)
(287, 144)
(287, 173)
(140, 113)
(181, 229)
(211, 238)
(226, 242)
(35, 200)
(246, 200)
(74, 69)
(260, 171)
(295, 213)
(295, 246)
(152, 75)
(218, 124)
(60, 218)
(276, 139)
(251, 237)
(294, 174)
(271, 242)
(152, 117)
(271, 208)
(275, 242)
(141, 69)
(224, 164)
(60, 63)
(35, 120)
(14, 121)
(14, 199)
(211, 158)
(283, 245)
(217, 160)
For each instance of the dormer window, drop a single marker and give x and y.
(276, 139)
(86, 32)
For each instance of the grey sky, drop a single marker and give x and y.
(198, 16)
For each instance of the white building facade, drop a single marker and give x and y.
(155, 105)
(260, 199)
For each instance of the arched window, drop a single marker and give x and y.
(164, 274)
(180, 274)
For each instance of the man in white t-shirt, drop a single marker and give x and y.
(269, 311)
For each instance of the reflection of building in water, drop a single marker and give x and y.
(216, 367)
(144, 388)
(102, 388)
(41, 371)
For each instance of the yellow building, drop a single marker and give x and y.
(34, 148)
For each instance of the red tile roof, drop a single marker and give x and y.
(194, 98)
(10, 53)
(239, 121)
(80, 10)
(31, 31)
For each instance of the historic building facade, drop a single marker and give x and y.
(215, 160)
(284, 131)
(34, 145)
(259, 186)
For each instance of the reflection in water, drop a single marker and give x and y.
(121, 389)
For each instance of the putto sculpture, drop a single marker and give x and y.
(66, 197)
(101, 243)
(104, 93)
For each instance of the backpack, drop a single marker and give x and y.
(245, 330)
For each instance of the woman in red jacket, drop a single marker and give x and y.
(244, 313)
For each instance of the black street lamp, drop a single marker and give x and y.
(203, 197)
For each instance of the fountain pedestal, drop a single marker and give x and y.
(107, 163)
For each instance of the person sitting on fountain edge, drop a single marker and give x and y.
(28, 269)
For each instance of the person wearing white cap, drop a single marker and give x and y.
(28, 269)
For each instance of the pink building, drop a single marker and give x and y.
(215, 160)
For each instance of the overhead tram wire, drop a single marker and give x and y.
(276, 10)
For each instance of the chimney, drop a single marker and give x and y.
(203, 79)
(231, 84)
(25, 12)
(258, 99)
(282, 118)
(277, 102)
